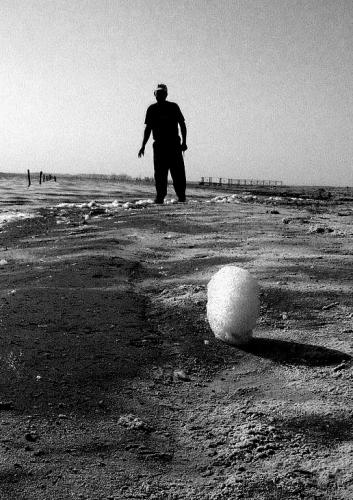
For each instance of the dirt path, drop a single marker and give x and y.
(113, 386)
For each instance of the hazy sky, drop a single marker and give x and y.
(265, 85)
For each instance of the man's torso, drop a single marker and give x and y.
(163, 118)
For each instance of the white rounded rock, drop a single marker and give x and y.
(233, 304)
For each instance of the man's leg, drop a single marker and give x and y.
(177, 171)
(160, 173)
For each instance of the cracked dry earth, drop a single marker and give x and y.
(113, 386)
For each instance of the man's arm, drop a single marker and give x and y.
(183, 135)
(146, 136)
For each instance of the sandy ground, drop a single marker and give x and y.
(114, 387)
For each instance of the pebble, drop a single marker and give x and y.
(134, 423)
(181, 375)
(31, 436)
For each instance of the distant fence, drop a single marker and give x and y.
(42, 177)
(220, 181)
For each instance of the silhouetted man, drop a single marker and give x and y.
(162, 119)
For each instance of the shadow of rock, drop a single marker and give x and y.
(320, 428)
(294, 353)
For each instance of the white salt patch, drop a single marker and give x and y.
(144, 203)
(11, 216)
(234, 198)
(72, 205)
(232, 304)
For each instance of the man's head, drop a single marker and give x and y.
(161, 92)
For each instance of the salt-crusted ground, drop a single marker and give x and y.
(113, 386)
